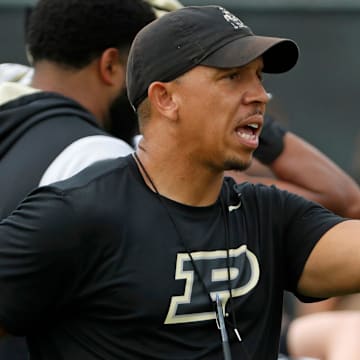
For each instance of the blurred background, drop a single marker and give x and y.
(317, 99)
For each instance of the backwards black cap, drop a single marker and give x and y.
(207, 35)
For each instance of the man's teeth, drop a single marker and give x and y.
(247, 136)
(254, 126)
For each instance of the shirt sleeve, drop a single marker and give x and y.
(306, 222)
(83, 153)
(39, 250)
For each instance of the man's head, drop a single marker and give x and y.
(79, 48)
(122, 121)
(197, 74)
(199, 35)
(75, 32)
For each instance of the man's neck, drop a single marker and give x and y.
(179, 179)
(75, 84)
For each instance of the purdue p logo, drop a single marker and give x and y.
(212, 265)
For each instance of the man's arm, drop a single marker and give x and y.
(302, 169)
(2, 332)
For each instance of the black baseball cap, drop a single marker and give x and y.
(199, 35)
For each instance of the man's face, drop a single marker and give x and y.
(222, 112)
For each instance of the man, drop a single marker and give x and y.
(170, 109)
(54, 128)
(126, 259)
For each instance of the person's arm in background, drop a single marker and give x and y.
(299, 167)
(328, 335)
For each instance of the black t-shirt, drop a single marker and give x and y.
(93, 267)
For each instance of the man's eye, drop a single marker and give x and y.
(233, 76)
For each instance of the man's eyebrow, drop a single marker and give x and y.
(232, 69)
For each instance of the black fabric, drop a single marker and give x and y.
(92, 268)
(271, 142)
(13, 348)
(34, 129)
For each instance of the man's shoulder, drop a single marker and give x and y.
(101, 188)
(104, 175)
(43, 104)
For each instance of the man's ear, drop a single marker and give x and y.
(111, 67)
(162, 99)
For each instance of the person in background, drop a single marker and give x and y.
(55, 127)
(54, 116)
(325, 335)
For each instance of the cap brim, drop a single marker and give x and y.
(279, 55)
